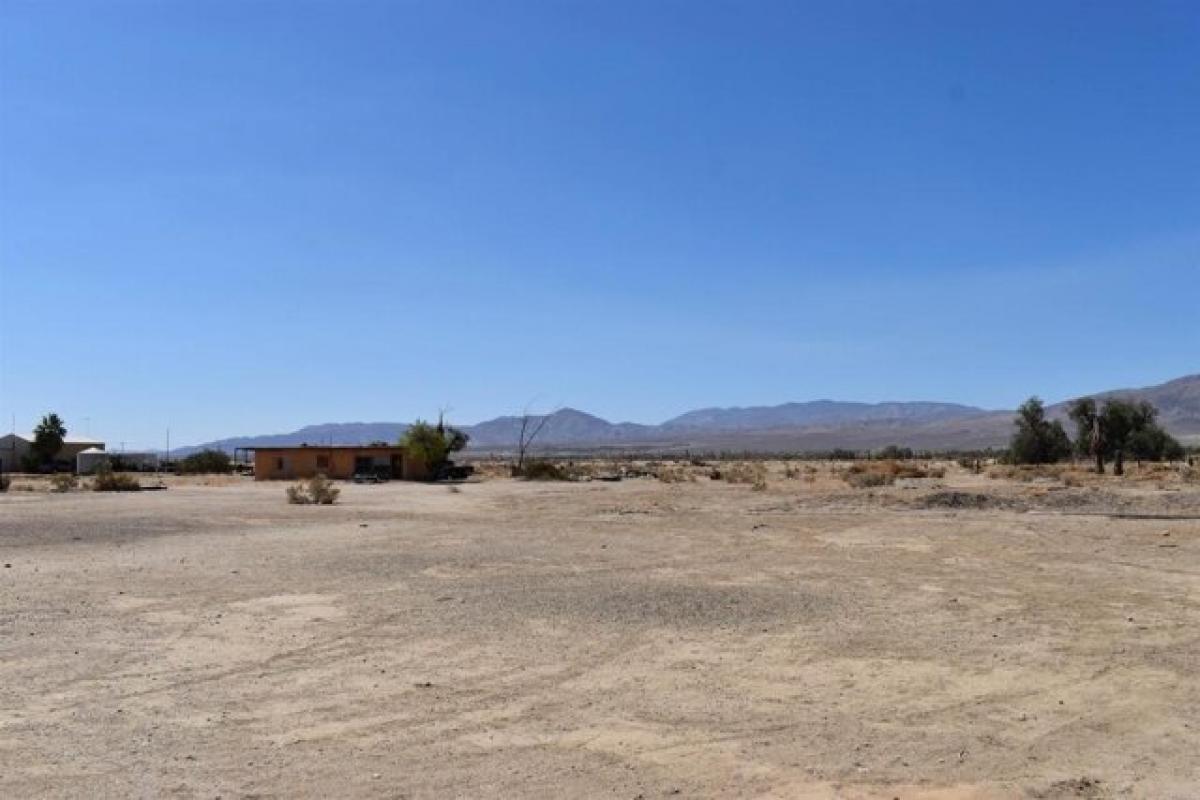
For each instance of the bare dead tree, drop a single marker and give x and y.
(531, 426)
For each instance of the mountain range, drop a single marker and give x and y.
(791, 427)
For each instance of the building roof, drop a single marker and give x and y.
(68, 439)
(323, 447)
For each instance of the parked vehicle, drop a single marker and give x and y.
(454, 472)
(375, 475)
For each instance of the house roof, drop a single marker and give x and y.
(396, 447)
(68, 439)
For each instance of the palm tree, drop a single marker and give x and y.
(48, 438)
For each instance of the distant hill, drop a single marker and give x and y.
(791, 427)
(328, 433)
(1177, 401)
(817, 412)
(566, 426)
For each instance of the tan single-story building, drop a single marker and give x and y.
(340, 461)
(14, 447)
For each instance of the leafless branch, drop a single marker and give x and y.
(528, 434)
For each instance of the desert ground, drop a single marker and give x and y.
(963, 637)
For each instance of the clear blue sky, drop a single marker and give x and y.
(245, 217)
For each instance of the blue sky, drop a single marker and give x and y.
(245, 217)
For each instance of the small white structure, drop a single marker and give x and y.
(88, 461)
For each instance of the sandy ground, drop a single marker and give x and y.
(628, 640)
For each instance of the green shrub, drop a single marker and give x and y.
(108, 481)
(206, 461)
(541, 470)
(5, 482)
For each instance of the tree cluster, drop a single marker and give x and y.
(1121, 429)
(206, 461)
(1112, 431)
(1038, 440)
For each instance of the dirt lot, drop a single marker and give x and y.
(632, 640)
